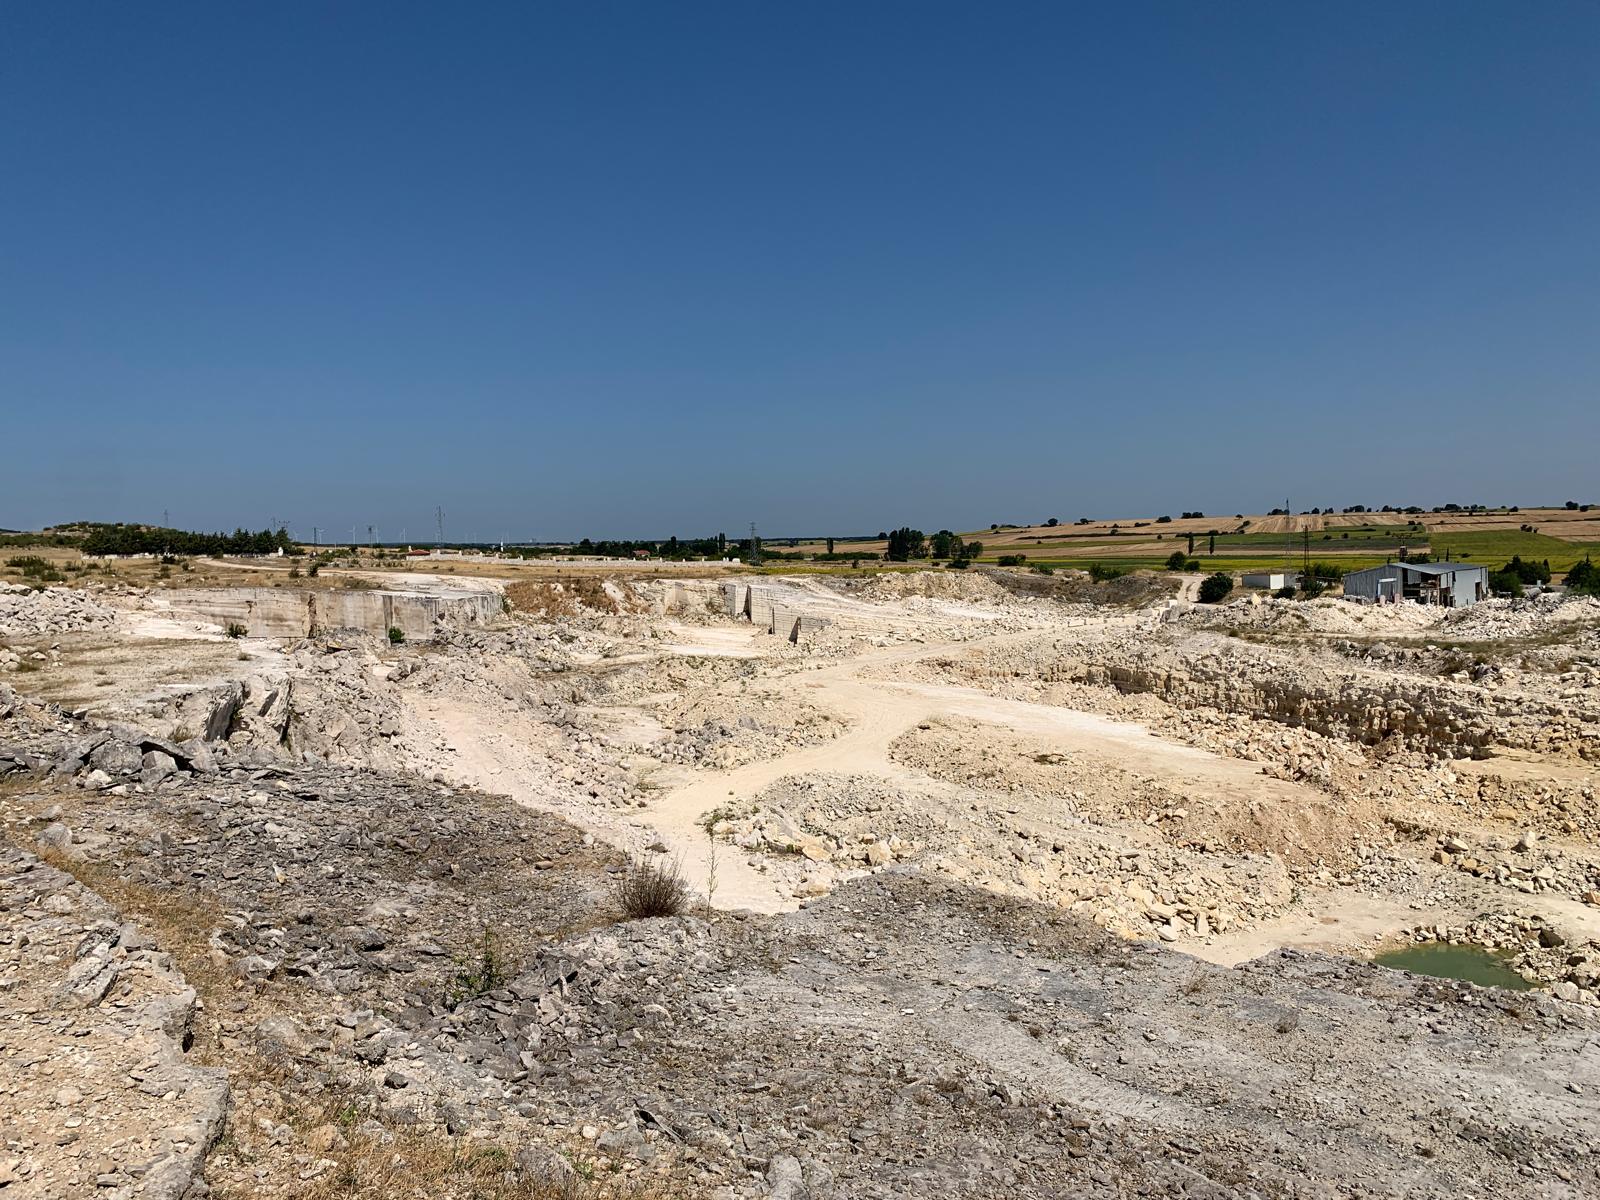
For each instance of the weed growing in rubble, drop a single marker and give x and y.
(651, 889)
(235, 630)
(475, 978)
(396, 635)
(711, 871)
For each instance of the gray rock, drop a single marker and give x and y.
(282, 1035)
(542, 1165)
(116, 757)
(156, 766)
(219, 721)
(55, 836)
(89, 980)
(786, 1179)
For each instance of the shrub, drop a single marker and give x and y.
(1584, 579)
(652, 889)
(476, 978)
(1505, 583)
(1177, 560)
(1285, 593)
(313, 568)
(1214, 588)
(1041, 569)
(396, 635)
(236, 630)
(1011, 560)
(1101, 573)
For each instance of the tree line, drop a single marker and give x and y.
(905, 544)
(144, 539)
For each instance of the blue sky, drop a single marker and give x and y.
(637, 269)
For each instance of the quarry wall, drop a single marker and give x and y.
(299, 612)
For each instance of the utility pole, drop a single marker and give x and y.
(438, 515)
(315, 531)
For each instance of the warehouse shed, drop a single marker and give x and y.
(1450, 584)
(1270, 579)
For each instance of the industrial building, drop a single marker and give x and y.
(1271, 580)
(1450, 584)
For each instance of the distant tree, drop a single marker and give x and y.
(830, 545)
(974, 549)
(1053, 522)
(1505, 582)
(1214, 588)
(1012, 560)
(1571, 505)
(1191, 543)
(1163, 520)
(1176, 560)
(945, 544)
(906, 543)
(1584, 578)
(1527, 572)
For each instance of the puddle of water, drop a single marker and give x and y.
(1472, 964)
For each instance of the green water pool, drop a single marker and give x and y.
(1472, 964)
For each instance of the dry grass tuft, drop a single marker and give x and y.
(425, 1166)
(652, 889)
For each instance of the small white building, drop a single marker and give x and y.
(1271, 580)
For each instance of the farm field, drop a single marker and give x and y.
(1251, 542)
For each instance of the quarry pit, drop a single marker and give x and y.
(996, 881)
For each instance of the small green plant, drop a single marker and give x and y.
(396, 635)
(477, 977)
(313, 568)
(235, 630)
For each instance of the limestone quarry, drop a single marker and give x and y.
(998, 884)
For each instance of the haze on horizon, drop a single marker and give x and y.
(637, 270)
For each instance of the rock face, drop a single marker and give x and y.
(302, 612)
(97, 1095)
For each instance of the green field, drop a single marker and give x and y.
(1208, 562)
(1492, 547)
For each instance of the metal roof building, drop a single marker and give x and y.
(1451, 584)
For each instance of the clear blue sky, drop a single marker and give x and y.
(638, 269)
